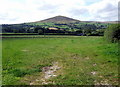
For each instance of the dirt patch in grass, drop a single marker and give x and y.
(87, 58)
(47, 73)
(24, 50)
(103, 82)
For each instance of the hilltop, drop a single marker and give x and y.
(64, 19)
(59, 19)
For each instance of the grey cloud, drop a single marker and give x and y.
(109, 17)
(109, 7)
(110, 10)
(78, 11)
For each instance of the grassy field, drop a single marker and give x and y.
(37, 36)
(59, 61)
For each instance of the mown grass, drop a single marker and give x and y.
(23, 58)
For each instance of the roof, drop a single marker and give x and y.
(52, 28)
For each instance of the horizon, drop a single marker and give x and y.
(24, 11)
(63, 16)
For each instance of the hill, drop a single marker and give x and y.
(59, 25)
(59, 19)
(63, 19)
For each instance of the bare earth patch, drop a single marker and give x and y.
(24, 50)
(48, 72)
(103, 82)
(87, 58)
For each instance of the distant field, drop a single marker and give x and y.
(4, 35)
(37, 36)
(59, 61)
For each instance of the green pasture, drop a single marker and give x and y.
(82, 60)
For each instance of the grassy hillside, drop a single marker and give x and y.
(59, 19)
(78, 61)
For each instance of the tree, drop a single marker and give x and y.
(15, 31)
(79, 32)
(87, 31)
(112, 33)
(40, 31)
(100, 32)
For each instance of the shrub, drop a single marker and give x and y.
(40, 31)
(112, 33)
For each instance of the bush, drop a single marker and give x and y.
(112, 33)
(40, 31)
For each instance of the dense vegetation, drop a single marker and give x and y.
(76, 28)
(83, 61)
(112, 33)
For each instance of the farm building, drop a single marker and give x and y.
(52, 28)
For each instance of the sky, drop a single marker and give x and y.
(22, 11)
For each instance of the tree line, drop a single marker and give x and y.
(70, 28)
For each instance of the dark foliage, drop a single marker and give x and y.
(93, 29)
(112, 33)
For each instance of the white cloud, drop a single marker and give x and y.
(19, 11)
(105, 10)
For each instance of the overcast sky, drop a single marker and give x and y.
(20, 11)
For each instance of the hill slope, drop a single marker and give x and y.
(59, 19)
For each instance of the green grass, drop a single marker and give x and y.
(23, 58)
